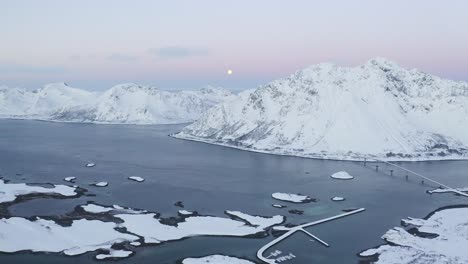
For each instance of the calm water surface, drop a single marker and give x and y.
(212, 179)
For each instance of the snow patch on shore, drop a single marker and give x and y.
(258, 221)
(442, 238)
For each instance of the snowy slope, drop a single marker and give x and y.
(326, 111)
(43, 102)
(124, 103)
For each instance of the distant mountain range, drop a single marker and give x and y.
(325, 111)
(122, 104)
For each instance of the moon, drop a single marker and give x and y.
(229, 72)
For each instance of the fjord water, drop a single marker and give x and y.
(211, 179)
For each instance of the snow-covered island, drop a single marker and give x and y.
(136, 178)
(9, 192)
(325, 111)
(342, 175)
(440, 238)
(291, 197)
(112, 227)
(100, 184)
(127, 103)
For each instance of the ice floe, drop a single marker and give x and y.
(113, 254)
(337, 199)
(290, 197)
(89, 165)
(441, 238)
(100, 184)
(41, 235)
(136, 178)
(278, 205)
(135, 244)
(9, 192)
(216, 259)
(70, 179)
(342, 175)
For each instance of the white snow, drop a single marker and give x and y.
(185, 212)
(153, 231)
(216, 259)
(449, 246)
(124, 103)
(101, 184)
(10, 191)
(94, 208)
(136, 178)
(325, 111)
(342, 175)
(259, 221)
(115, 254)
(18, 234)
(442, 190)
(40, 235)
(338, 199)
(290, 197)
(69, 179)
(278, 205)
(89, 165)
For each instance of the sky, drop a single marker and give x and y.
(190, 44)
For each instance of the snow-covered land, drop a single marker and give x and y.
(154, 231)
(291, 197)
(119, 225)
(10, 191)
(258, 221)
(325, 111)
(40, 235)
(124, 103)
(215, 259)
(442, 238)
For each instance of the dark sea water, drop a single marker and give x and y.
(211, 179)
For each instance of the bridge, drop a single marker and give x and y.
(301, 228)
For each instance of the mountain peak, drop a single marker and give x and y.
(381, 63)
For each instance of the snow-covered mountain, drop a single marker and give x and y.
(124, 103)
(325, 111)
(41, 103)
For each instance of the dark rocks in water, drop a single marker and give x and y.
(179, 204)
(295, 211)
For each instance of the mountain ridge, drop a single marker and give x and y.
(126, 103)
(377, 109)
